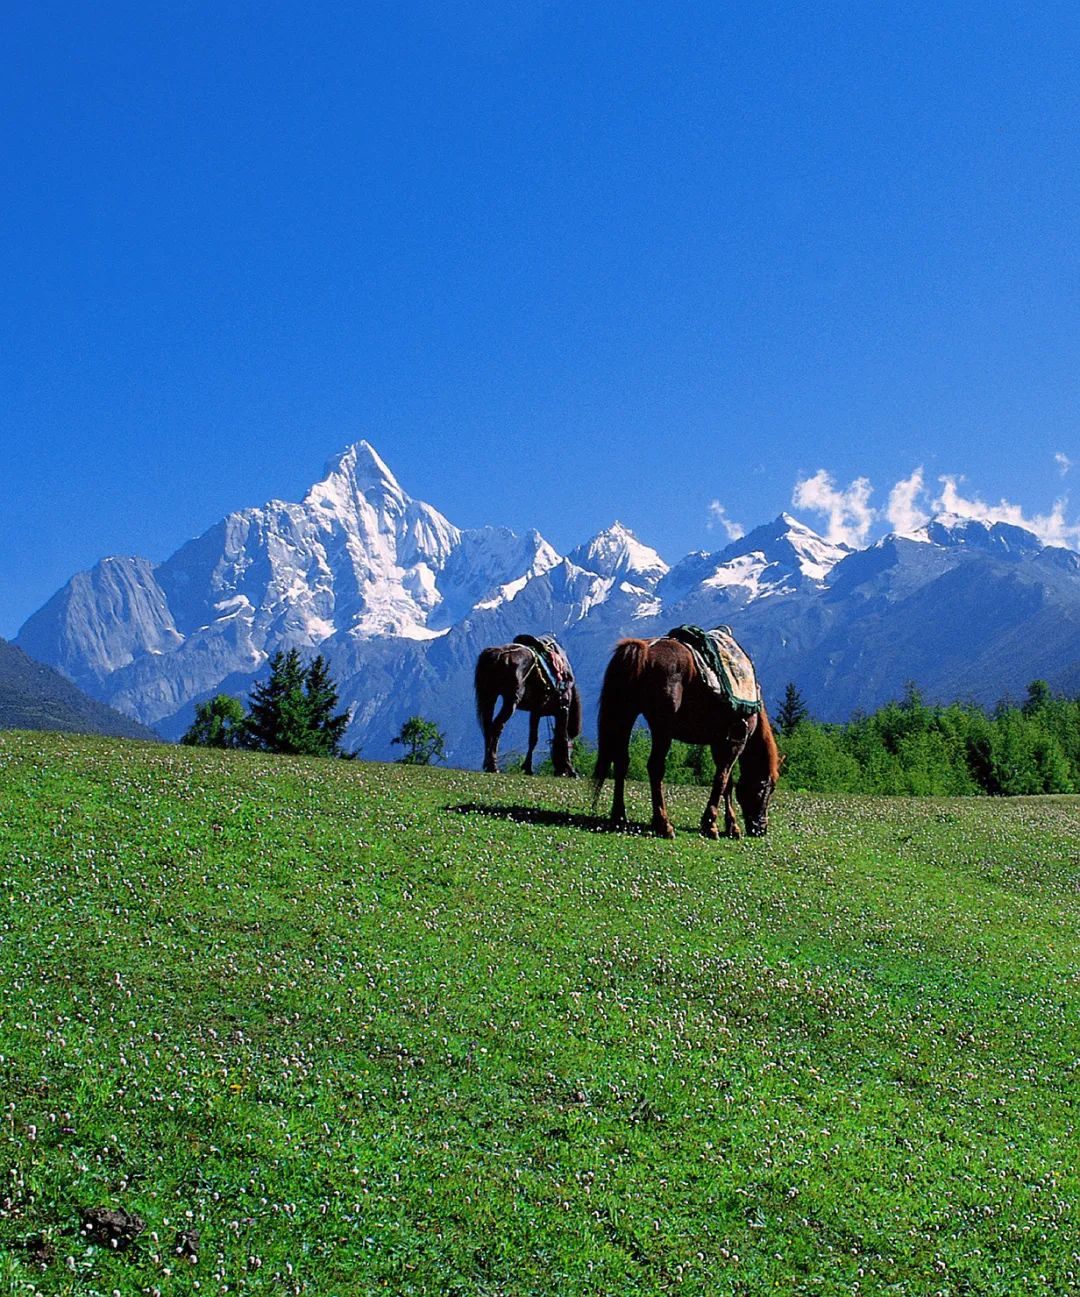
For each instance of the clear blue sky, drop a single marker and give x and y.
(559, 263)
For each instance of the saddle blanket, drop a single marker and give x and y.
(553, 661)
(724, 665)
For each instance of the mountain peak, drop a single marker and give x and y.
(954, 530)
(616, 551)
(363, 464)
(791, 543)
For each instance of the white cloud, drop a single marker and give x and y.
(902, 510)
(849, 511)
(912, 504)
(1063, 462)
(1051, 528)
(718, 518)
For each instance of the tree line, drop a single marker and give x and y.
(907, 747)
(958, 749)
(293, 713)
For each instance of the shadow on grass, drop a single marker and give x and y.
(568, 819)
(537, 815)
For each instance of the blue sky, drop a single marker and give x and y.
(558, 263)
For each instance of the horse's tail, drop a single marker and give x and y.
(486, 687)
(616, 696)
(573, 721)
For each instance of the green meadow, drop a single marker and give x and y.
(342, 1028)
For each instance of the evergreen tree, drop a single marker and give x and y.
(292, 711)
(793, 710)
(913, 699)
(277, 704)
(1038, 698)
(219, 723)
(325, 729)
(422, 740)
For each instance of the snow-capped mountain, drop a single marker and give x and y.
(778, 558)
(400, 601)
(951, 530)
(357, 558)
(619, 554)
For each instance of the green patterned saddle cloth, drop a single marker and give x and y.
(724, 665)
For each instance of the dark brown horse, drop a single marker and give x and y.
(659, 679)
(514, 674)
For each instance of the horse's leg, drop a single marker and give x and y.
(485, 710)
(731, 824)
(661, 745)
(561, 747)
(567, 747)
(725, 756)
(620, 764)
(534, 734)
(498, 724)
(490, 744)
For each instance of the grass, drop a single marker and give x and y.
(342, 1028)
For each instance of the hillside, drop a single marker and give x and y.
(35, 697)
(335, 1027)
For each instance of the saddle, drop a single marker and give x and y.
(552, 661)
(725, 667)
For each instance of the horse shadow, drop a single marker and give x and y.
(534, 815)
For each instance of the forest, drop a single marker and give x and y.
(908, 747)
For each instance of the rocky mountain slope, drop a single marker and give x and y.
(401, 601)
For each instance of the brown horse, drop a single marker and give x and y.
(659, 679)
(514, 674)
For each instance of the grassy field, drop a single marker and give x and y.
(340, 1028)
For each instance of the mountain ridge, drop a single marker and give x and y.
(400, 600)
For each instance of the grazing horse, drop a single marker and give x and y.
(515, 674)
(659, 679)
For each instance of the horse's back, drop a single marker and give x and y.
(500, 666)
(650, 667)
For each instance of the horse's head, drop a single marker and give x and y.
(759, 770)
(754, 796)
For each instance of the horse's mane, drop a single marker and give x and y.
(762, 749)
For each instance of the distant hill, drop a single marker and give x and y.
(35, 697)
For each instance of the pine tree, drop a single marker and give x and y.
(1038, 698)
(276, 705)
(324, 728)
(293, 710)
(793, 710)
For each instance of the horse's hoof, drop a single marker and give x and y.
(711, 832)
(664, 830)
(732, 831)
